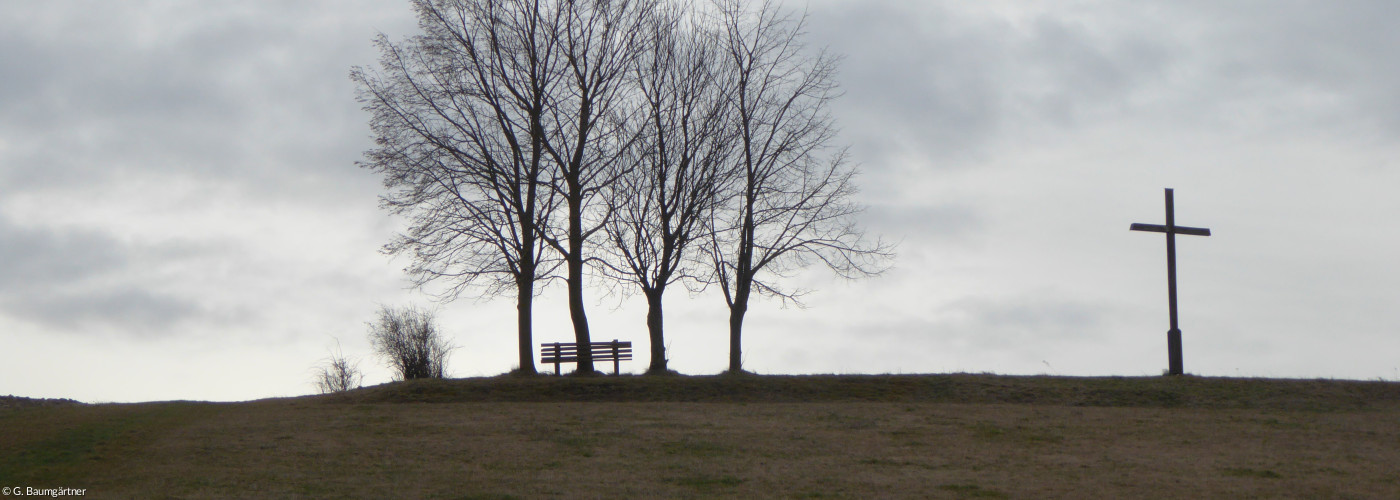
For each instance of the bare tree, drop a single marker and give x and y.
(410, 343)
(461, 117)
(679, 162)
(597, 42)
(338, 374)
(791, 205)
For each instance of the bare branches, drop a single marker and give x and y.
(676, 165)
(457, 115)
(790, 206)
(679, 159)
(654, 140)
(460, 119)
(338, 374)
(589, 133)
(410, 343)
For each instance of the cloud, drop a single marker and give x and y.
(248, 93)
(910, 82)
(34, 256)
(939, 86)
(69, 280)
(165, 164)
(946, 221)
(945, 82)
(129, 309)
(975, 323)
(1006, 322)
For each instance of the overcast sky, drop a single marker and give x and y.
(181, 216)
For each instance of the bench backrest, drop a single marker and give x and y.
(568, 352)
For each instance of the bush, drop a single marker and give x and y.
(338, 374)
(410, 343)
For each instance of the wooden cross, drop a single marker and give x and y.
(1173, 335)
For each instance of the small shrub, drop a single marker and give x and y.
(410, 343)
(338, 374)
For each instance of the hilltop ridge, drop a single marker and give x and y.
(1153, 392)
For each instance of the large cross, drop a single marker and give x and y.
(1173, 335)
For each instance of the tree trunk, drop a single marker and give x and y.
(654, 328)
(575, 264)
(523, 304)
(736, 327)
(743, 283)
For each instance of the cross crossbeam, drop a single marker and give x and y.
(1158, 228)
(1174, 364)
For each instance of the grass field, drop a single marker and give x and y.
(935, 436)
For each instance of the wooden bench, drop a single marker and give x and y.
(561, 352)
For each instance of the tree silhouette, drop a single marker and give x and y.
(461, 117)
(790, 205)
(679, 163)
(589, 130)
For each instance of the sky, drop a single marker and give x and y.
(181, 216)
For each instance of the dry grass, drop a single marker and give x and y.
(628, 438)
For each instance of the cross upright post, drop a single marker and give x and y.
(1174, 364)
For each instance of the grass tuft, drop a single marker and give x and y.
(971, 491)
(1246, 472)
(709, 483)
(692, 448)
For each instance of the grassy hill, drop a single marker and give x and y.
(939, 436)
(1158, 392)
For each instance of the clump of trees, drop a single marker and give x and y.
(409, 342)
(642, 143)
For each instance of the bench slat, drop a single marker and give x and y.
(591, 343)
(596, 355)
(604, 342)
(573, 359)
